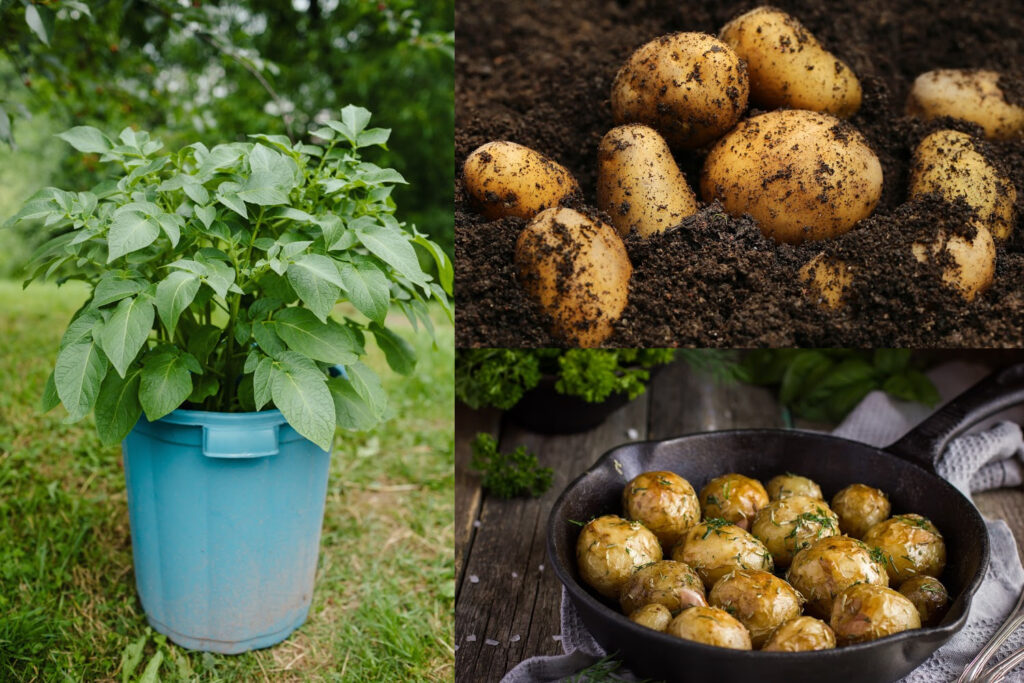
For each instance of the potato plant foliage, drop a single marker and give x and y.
(215, 271)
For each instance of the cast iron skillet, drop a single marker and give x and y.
(905, 471)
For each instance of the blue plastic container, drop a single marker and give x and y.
(226, 511)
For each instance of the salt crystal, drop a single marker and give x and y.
(541, 568)
(514, 639)
(476, 524)
(471, 638)
(490, 642)
(456, 648)
(515, 575)
(556, 638)
(473, 578)
(632, 433)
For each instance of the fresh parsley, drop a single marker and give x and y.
(508, 475)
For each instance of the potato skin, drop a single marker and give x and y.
(653, 616)
(690, 87)
(786, 485)
(970, 94)
(859, 508)
(734, 498)
(929, 597)
(826, 280)
(508, 179)
(911, 545)
(802, 634)
(828, 566)
(714, 549)
(802, 175)
(973, 266)
(609, 549)
(711, 626)
(577, 270)
(867, 612)
(947, 162)
(638, 182)
(788, 525)
(665, 503)
(759, 600)
(787, 65)
(672, 584)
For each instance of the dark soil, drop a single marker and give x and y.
(539, 73)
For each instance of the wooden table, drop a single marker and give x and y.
(507, 601)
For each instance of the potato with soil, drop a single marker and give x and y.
(787, 65)
(826, 281)
(788, 525)
(789, 484)
(711, 626)
(910, 545)
(948, 163)
(829, 566)
(609, 549)
(867, 612)
(968, 264)
(859, 508)
(929, 597)
(690, 87)
(802, 175)
(508, 179)
(761, 601)
(672, 584)
(638, 182)
(802, 634)
(715, 548)
(664, 502)
(577, 269)
(734, 498)
(654, 616)
(970, 94)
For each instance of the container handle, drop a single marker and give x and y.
(239, 442)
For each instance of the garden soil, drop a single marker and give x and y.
(539, 73)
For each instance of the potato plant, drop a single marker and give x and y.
(215, 272)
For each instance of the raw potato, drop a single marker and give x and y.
(734, 498)
(711, 626)
(638, 182)
(690, 87)
(826, 280)
(787, 65)
(788, 525)
(802, 634)
(507, 179)
(929, 597)
(664, 502)
(973, 265)
(860, 507)
(715, 548)
(577, 269)
(786, 485)
(911, 545)
(759, 600)
(969, 94)
(802, 175)
(669, 583)
(653, 616)
(828, 566)
(866, 612)
(609, 549)
(946, 162)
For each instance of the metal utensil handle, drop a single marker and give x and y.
(925, 444)
(1012, 623)
(1003, 668)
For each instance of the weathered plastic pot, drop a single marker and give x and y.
(226, 511)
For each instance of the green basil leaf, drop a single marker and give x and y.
(126, 332)
(117, 407)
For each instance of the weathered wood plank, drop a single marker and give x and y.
(1008, 505)
(467, 483)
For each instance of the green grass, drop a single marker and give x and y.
(382, 609)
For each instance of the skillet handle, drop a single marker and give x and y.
(924, 444)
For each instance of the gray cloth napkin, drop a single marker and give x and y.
(990, 456)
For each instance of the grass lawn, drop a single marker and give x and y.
(382, 609)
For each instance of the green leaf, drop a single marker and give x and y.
(300, 392)
(912, 385)
(80, 328)
(50, 399)
(233, 202)
(152, 672)
(367, 384)
(114, 288)
(891, 361)
(130, 231)
(196, 192)
(166, 383)
(326, 342)
(374, 136)
(355, 118)
(351, 411)
(202, 341)
(205, 387)
(802, 373)
(174, 294)
(315, 279)
(171, 225)
(5, 128)
(206, 214)
(77, 375)
(34, 19)
(392, 247)
(261, 382)
(131, 657)
(397, 351)
(266, 338)
(86, 139)
(117, 407)
(367, 287)
(272, 177)
(126, 332)
(445, 270)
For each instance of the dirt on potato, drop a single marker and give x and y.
(540, 72)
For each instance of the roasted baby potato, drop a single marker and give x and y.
(787, 65)
(507, 179)
(866, 612)
(910, 545)
(788, 484)
(968, 266)
(759, 600)
(652, 616)
(929, 597)
(714, 548)
(970, 94)
(609, 549)
(690, 87)
(802, 175)
(788, 525)
(711, 626)
(638, 182)
(947, 163)
(802, 634)
(734, 498)
(576, 268)
(828, 566)
(669, 583)
(664, 502)
(859, 508)
(826, 280)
